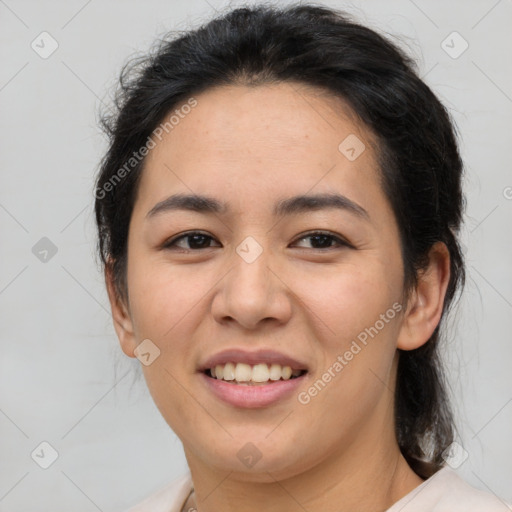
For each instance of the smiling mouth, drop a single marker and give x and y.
(252, 375)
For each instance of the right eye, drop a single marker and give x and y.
(194, 239)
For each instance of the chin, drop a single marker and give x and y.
(257, 461)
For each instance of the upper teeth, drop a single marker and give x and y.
(242, 372)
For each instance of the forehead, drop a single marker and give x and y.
(237, 117)
(265, 139)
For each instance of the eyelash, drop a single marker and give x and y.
(341, 242)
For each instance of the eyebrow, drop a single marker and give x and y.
(289, 206)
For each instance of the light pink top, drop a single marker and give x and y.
(445, 491)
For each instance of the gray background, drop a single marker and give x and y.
(63, 377)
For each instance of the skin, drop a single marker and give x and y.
(338, 452)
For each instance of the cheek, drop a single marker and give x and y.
(161, 296)
(350, 298)
(356, 327)
(166, 308)
(356, 316)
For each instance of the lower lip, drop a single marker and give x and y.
(251, 397)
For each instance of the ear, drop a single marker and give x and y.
(120, 315)
(426, 301)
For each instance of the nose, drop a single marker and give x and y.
(252, 293)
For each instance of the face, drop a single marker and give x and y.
(205, 280)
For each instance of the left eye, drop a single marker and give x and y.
(323, 240)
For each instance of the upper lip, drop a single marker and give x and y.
(236, 355)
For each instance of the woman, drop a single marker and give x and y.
(278, 213)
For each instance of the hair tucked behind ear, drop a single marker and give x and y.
(419, 159)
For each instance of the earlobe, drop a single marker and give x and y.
(120, 316)
(426, 301)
